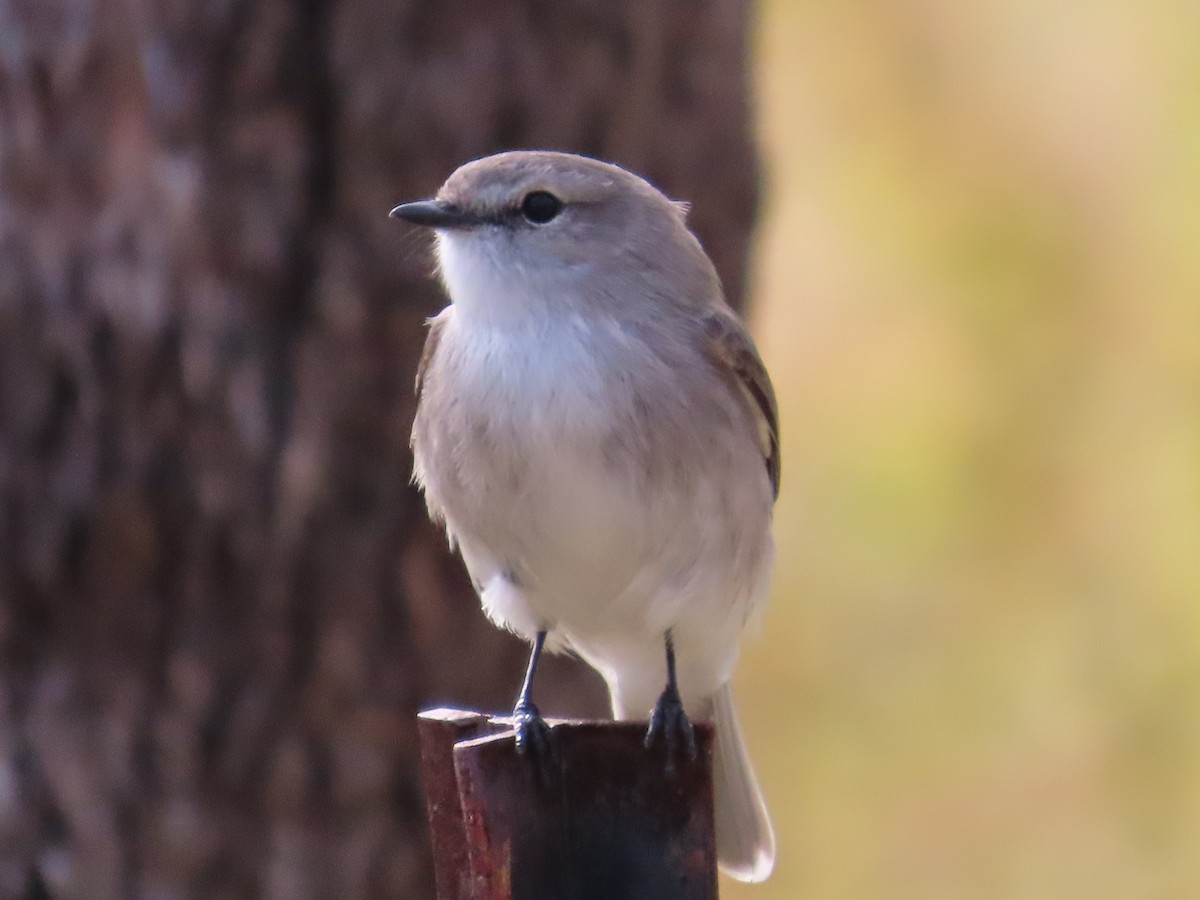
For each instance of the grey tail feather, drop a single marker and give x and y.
(745, 839)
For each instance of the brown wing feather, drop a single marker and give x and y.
(734, 354)
(431, 343)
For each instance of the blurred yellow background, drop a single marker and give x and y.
(978, 291)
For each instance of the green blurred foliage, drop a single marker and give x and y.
(978, 291)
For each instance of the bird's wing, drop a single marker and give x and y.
(431, 343)
(733, 353)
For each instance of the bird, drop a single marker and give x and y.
(599, 436)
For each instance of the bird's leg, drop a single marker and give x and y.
(669, 723)
(533, 734)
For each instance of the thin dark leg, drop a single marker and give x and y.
(671, 682)
(669, 723)
(523, 699)
(533, 734)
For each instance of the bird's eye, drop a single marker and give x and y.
(539, 207)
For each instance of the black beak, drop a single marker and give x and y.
(435, 214)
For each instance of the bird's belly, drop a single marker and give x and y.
(577, 512)
(557, 535)
(554, 522)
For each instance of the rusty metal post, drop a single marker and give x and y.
(612, 824)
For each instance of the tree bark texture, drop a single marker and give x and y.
(221, 603)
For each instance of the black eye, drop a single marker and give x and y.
(539, 207)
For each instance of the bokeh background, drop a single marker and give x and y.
(977, 286)
(975, 277)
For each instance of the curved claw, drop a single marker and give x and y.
(533, 738)
(671, 725)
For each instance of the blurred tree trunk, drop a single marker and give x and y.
(220, 601)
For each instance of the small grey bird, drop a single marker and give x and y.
(599, 435)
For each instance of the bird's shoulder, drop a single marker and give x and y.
(732, 352)
(437, 326)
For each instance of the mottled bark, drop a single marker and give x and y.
(220, 601)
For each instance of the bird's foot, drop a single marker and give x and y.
(670, 725)
(534, 741)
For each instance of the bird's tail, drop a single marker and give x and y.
(745, 840)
